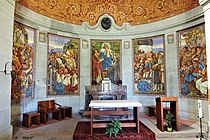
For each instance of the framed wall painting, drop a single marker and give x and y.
(106, 85)
(149, 65)
(106, 60)
(192, 64)
(63, 65)
(84, 44)
(126, 44)
(42, 37)
(23, 56)
(170, 38)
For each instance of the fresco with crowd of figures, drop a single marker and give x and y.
(192, 63)
(23, 53)
(63, 65)
(149, 65)
(106, 60)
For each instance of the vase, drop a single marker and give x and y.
(169, 129)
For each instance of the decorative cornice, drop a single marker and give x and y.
(12, 2)
(204, 2)
(86, 25)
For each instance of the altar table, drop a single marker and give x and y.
(97, 110)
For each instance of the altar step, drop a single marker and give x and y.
(187, 129)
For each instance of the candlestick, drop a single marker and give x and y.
(199, 109)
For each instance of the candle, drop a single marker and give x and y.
(199, 109)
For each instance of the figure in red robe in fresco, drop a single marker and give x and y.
(97, 66)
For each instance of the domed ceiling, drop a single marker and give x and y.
(134, 12)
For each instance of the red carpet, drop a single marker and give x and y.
(82, 132)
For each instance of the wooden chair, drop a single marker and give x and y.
(46, 107)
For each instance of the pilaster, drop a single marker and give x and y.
(6, 38)
(206, 9)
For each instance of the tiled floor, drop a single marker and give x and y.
(63, 130)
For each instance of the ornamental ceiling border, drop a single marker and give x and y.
(134, 12)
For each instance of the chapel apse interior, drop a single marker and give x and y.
(167, 25)
(86, 15)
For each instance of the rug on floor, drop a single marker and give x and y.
(82, 132)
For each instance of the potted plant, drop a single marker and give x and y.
(113, 128)
(169, 118)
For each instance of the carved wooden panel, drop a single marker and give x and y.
(134, 12)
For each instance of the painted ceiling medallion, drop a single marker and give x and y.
(106, 23)
(134, 12)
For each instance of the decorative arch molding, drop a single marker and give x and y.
(204, 2)
(46, 24)
(99, 24)
(135, 12)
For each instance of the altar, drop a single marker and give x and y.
(97, 105)
(96, 93)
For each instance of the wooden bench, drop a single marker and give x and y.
(66, 111)
(46, 107)
(152, 110)
(30, 118)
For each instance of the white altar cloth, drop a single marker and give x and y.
(114, 103)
